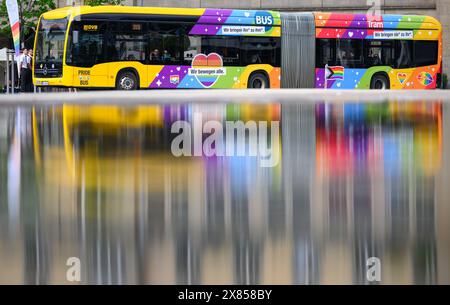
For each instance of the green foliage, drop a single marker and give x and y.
(100, 2)
(29, 12)
(444, 81)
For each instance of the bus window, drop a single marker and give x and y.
(349, 53)
(379, 53)
(127, 42)
(425, 53)
(50, 40)
(86, 40)
(165, 43)
(257, 50)
(227, 47)
(192, 47)
(325, 52)
(403, 53)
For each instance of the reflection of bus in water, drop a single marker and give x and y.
(394, 136)
(113, 116)
(87, 142)
(246, 112)
(98, 140)
(136, 201)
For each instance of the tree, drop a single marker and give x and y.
(29, 12)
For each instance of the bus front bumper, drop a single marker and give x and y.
(42, 82)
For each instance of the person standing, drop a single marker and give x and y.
(30, 71)
(24, 70)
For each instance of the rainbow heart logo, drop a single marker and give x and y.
(207, 68)
(402, 77)
(425, 78)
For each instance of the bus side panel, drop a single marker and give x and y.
(90, 77)
(414, 78)
(168, 77)
(104, 75)
(411, 78)
(273, 73)
(185, 77)
(139, 68)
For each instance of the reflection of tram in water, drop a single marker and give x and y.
(396, 136)
(376, 167)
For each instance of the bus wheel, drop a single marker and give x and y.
(258, 81)
(379, 82)
(126, 81)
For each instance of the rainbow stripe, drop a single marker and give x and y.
(238, 23)
(13, 14)
(361, 26)
(15, 29)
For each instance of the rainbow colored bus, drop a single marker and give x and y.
(131, 48)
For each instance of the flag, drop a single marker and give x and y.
(13, 14)
(174, 79)
(334, 72)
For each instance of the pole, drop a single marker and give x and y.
(7, 72)
(13, 66)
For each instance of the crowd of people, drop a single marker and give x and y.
(25, 68)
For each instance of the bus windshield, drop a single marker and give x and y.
(50, 40)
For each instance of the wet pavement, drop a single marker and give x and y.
(346, 181)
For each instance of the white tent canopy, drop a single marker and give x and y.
(3, 54)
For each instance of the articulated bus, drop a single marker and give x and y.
(130, 48)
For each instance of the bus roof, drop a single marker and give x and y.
(80, 10)
(331, 20)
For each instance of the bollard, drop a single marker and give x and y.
(10, 72)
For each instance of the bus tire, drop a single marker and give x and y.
(258, 80)
(126, 80)
(379, 82)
